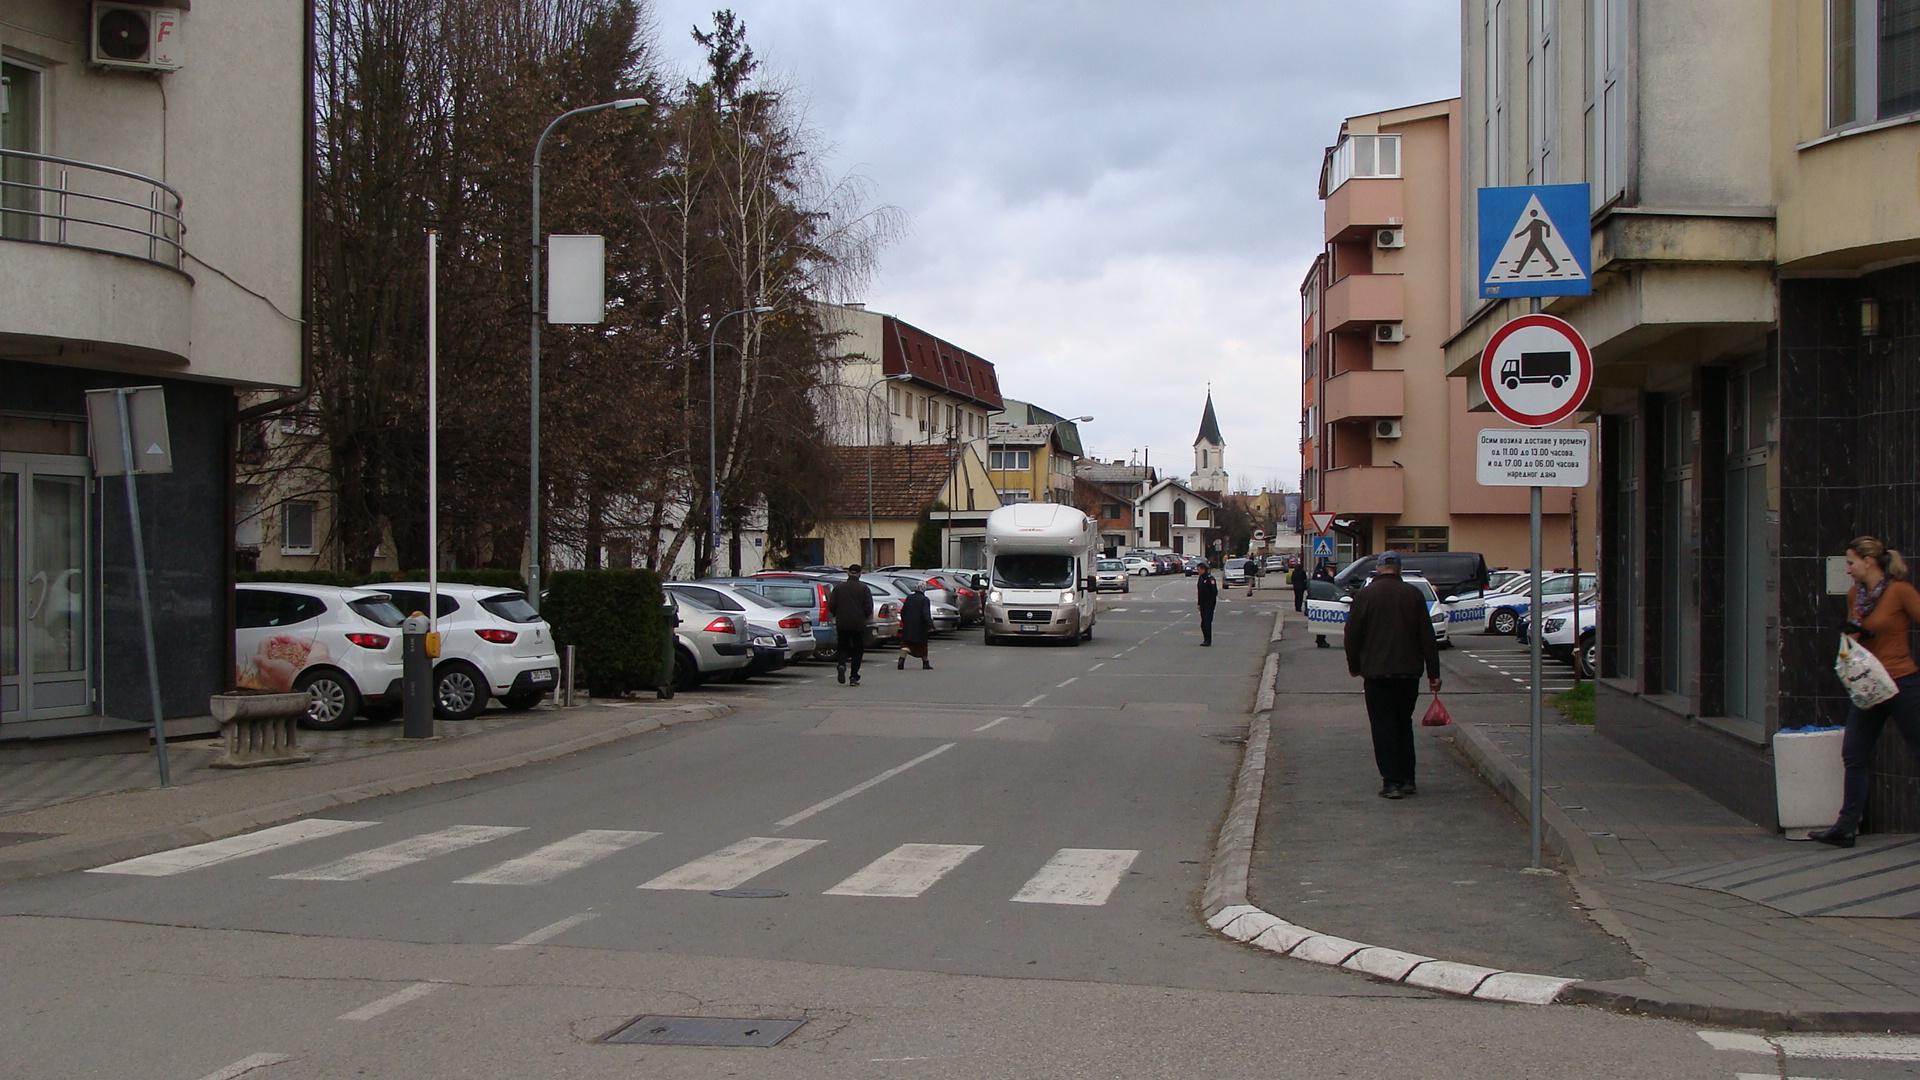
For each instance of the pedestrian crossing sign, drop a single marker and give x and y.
(1535, 241)
(1323, 546)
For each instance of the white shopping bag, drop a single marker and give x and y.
(1864, 676)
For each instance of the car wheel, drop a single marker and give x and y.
(1586, 658)
(521, 702)
(1127, 588)
(686, 673)
(1088, 636)
(993, 639)
(334, 703)
(459, 693)
(1504, 621)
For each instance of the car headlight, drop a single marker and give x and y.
(1066, 596)
(993, 596)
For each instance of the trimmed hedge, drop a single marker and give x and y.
(617, 625)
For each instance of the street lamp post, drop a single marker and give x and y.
(713, 453)
(533, 320)
(883, 380)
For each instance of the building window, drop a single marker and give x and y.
(296, 527)
(1495, 120)
(249, 529)
(1364, 157)
(1627, 549)
(893, 400)
(950, 421)
(1010, 459)
(1680, 641)
(1873, 60)
(1179, 511)
(1606, 113)
(1418, 537)
(20, 130)
(1015, 495)
(1542, 91)
(1111, 511)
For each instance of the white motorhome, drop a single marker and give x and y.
(1040, 560)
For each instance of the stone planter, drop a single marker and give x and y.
(259, 729)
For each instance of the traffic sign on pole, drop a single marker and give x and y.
(1536, 370)
(1524, 248)
(1323, 546)
(1321, 521)
(1259, 536)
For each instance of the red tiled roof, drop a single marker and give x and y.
(905, 479)
(909, 350)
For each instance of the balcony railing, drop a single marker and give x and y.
(79, 204)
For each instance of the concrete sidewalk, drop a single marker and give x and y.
(85, 816)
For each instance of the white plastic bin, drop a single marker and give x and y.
(1808, 779)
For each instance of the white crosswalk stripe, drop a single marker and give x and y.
(560, 857)
(733, 865)
(365, 864)
(1081, 876)
(181, 860)
(906, 871)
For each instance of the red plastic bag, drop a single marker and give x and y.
(1437, 714)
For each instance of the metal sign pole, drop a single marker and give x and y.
(1533, 691)
(140, 579)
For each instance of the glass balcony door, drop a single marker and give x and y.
(20, 120)
(45, 612)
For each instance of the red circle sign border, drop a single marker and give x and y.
(1491, 388)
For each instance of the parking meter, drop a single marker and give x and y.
(416, 678)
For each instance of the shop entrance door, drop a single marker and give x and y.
(44, 609)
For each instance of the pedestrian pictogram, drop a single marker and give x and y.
(1536, 370)
(1323, 546)
(1534, 241)
(1321, 521)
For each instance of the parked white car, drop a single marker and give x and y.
(1138, 565)
(1576, 642)
(1505, 610)
(339, 646)
(1328, 618)
(493, 644)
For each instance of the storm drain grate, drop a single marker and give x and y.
(705, 1031)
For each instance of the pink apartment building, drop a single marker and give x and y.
(1387, 441)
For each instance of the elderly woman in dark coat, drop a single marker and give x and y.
(916, 625)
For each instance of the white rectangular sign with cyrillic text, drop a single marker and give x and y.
(1538, 457)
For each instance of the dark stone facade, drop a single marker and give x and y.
(189, 543)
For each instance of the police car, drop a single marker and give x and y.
(1328, 618)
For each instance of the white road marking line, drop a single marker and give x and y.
(906, 871)
(547, 932)
(1032, 701)
(1082, 876)
(733, 865)
(365, 864)
(561, 856)
(1850, 1047)
(1097, 666)
(992, 722)
(1770, 1076)
(181, 860)
(1738, 1041)
(828, 804)
(1069, 682)
(392, 1001)
(246, 1065)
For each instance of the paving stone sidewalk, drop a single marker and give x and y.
(1711, 956)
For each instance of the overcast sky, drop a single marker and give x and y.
(1112, 200)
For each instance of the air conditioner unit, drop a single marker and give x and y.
(135, 37)
(1389, 332)
(1390, 238)
(1386, 429)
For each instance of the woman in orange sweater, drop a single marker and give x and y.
(1881, 609)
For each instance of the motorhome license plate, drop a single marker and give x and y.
(1029, 629)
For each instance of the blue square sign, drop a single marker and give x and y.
(1323, 546)
(1535, 241)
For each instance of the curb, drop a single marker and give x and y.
(1225, 905)
(1561, 835)
(88, 853)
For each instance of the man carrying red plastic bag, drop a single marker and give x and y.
(1389, 640)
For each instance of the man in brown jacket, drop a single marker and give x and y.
(851, 605)
(1389, 639)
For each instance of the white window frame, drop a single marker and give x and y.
(1014, 495)
(1866, 68)
(1543, 91)
(43, 113)
(1023, 460)
(249, 531)
(1606, 115)
(1495, 119)
(1364, 157)
(287, 546)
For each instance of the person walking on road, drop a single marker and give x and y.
(851, 605)
(1253, 571)
(1209, 592)
(1298, 579)
(1389, 639)
(1882, 607)
(916, 626)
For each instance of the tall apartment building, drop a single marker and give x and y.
(1388, 439)
(151, 234)
(1755, 324)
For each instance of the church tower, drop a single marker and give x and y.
(1209, 454)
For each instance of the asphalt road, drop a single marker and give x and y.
(987, 869)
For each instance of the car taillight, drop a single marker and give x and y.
(498, 637)
(935, 583)
(792, 622)
(721, 624)
(886, 611)
(369, 641)
(964, 591)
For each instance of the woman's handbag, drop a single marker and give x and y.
(1437, 714)
(1864, 676)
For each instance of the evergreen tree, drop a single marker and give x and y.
(925, 551)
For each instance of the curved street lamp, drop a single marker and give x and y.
(533, 318)
(713, 453)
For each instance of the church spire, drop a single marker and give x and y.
(1209, 425)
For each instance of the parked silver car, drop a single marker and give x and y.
(707, 642)
(779, 634)
(946, 613)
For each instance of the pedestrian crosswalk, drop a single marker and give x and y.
(1076, 877)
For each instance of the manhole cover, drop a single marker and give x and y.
(749, 894)
(704, 1031)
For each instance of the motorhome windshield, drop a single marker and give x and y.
(1034, 571)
